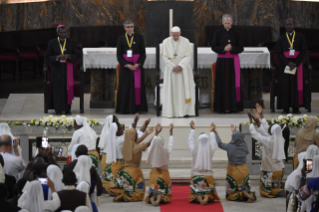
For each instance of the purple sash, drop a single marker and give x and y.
(237, 71)
(299, 77)
(137, 77)
(70, 82)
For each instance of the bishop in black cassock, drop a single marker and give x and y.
(58, 92)
(131, 95)
(227, 43)
(291, 92)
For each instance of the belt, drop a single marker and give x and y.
(120, 160)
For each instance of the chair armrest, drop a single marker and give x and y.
(10, 51)
(34, 49)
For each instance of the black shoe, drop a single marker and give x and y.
(285, 111)
(296, 111)
(58, 113)
(68, 113)
(186, 116)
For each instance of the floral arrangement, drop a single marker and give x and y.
(57, 122)
(290, 120)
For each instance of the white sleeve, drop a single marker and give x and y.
(168, 62)
(22, 166)
(185, 61)
(191, 140)
(213, 143)
(139, 133)
(22, 199)
(75, 140)
(54, 204)
(265, 124)
(88, 203)
(262, 131)
(265, 140)
(170, 144)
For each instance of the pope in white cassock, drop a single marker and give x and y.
(179, 86)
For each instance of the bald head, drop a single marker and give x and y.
(5, 140)
(38, 165)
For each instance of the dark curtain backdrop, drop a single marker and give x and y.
(113, 12)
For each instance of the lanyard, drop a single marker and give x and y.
(129, 43)
(291, 42)
(62, 48)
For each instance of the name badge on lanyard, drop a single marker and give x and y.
(129, 53)
(291, 42)
(291, 52)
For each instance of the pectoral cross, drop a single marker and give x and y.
(175, 55)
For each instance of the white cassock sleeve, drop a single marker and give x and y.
(168, 62)
(185, 61)
(265, 140)
(191, 140)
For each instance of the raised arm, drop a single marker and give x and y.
(191, 137)
(265, 140)
(171, 139)
(214, 134)
(148, 132)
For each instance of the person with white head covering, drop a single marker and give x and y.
(5, 130)
(202, 183)
(133, 178)
(309, 191)
(272, 166)
(82, 172)
(85, 135)
(73, 152)
(33, 198)
(160, 180)
(238, 181)
(305, 137)
(179, 85)
(56, 176)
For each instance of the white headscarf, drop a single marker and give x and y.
(111, 144)
(56, 176)
(279, 143)
(2, 176)
(5, 130)
(204, 154)
(86, 127)
(35, 199)
(82, 209)
(74, 148)
(292, 182)
(105, 132)
(311, 152)
(158, 156)
(83, 186)
(315, 167)
(82, 169)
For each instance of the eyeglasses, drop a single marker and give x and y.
(129, 27)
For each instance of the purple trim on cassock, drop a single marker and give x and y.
(137, 77)
(237, 71)
(299, 77)
(70, 81)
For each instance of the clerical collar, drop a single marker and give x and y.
(130, 34)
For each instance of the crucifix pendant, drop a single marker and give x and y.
(175, 55)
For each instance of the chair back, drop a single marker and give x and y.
(213, 71)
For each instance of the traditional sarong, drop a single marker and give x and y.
(134, 184)
(271, 183)
(237, 181)
(94, 155)
(160, 185)
(201, 185)
(115, 187)
(295, 161)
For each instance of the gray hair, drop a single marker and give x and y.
(5, 142)
(128, 21)
(227, 16)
